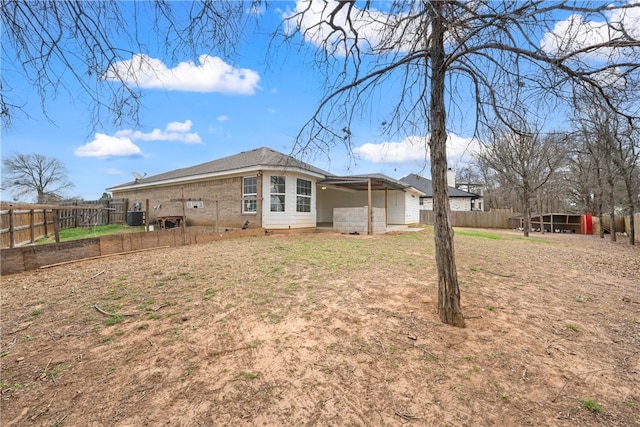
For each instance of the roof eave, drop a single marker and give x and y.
(201, 177)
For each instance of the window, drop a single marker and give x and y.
(195, 204)
(277, 189)
(249, 194)
(303, 195)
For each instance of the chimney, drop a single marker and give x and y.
(451, 178)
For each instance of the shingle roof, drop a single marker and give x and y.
(262, 157)
(424, 185)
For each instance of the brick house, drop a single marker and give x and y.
(266, 189)
(459, 200)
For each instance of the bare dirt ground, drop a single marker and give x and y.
(327, 329)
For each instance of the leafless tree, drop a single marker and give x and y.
(413, 62)
(526, 161)
(25, 174)
(614, 152)
(68, 46)
(626, 158)
(497, 193)
(442, 52)
(581, 178)
(600, 155)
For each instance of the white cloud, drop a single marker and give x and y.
(415, 149)
(179, 126)
(174, 131)
(410, 149)
(459, 148)
(222, 119)
(371, 25)
(120, 144)
(104, 146)
(212, 74)
(112, 171)
(576, 33)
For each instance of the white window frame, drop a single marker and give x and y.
(249, 199)
(277, 195)
(302, 199)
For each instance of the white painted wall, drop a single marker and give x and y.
(456, 203)
(460, 203)
(289, 218)
(403, 207)
(412, 212)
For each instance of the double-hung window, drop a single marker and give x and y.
(277, 190)
(249, 194)
(303, 195)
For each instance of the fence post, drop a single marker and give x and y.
(46, 226)
(146, 216)
(56, 226)
(32, 226)
(12, 237)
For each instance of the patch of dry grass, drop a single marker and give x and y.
(323, 329)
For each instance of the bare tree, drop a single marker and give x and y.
(626, 158)
(526, 161)
(582, 178)
(498, 193)
(25, 174)
(69, 45)
(420, 59)
(444, 51)
(614, 151)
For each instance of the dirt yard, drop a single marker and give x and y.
(327, 329)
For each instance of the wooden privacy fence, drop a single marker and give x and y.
(473, 219)
(501, 219)
(636, 223)
(92, 213)
(25, 224)
(620, 224)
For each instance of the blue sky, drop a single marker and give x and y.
(200, 109)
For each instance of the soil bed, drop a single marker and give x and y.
(328, 329)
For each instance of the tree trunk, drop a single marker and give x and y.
(540, 212)
(449, 308)
(612, 207)
(600, 197)
(526, 212)
(630, 201)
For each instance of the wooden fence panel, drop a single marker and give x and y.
(114, 211)
(500, 219)
(472, 219)
(5, 227)
(117, 213)
(23, 226)
(636, 225)
(620, 223)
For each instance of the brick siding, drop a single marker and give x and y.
(221, 198)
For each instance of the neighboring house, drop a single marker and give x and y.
(459, 200)
(477, 189)
(268, 189)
